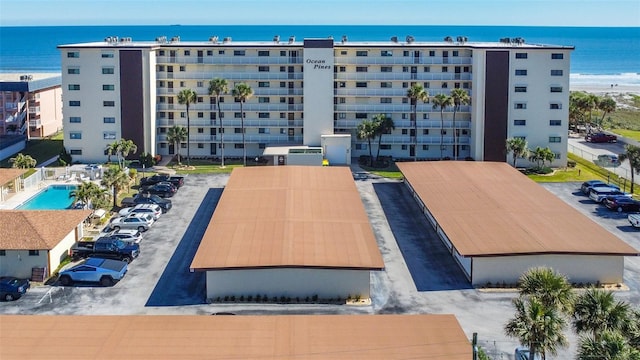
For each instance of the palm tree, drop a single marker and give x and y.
(112, 149)
(242, 92)
(539, 327)
(384, 124)
(592, 101)
(541, 156)
(22, 161)
(416, 93)
(187, 97)
(459, 97)
(219, 87)
(124, 148)
(632, 153)
(117, 179)
(552, 289)
(176, 135)
(612, 345)
(518, 147)
(606, 105)
(597, 310)
(367, 131)
(442, 101)
(83, 193)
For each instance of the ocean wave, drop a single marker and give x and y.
(622, 79)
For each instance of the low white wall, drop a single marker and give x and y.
(291, 282)
(578, 268)
(59, 252)
(304, 159)
(18, 263)
(13, 149)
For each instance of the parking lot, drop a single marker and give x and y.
(420, 277)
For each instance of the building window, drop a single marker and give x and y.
(521, 55)
(385, 100)
(264, 115)
(200, 114)
(385, 84)
(183, 68)
(361, 69)
(427, 85)
(361, 146)
(361, 84)
(362, 53)
(183, 114)
(200, 130)
(75, 119)
(75, 152)
(555, 139)
(73, 54)
(425, 116)
(385, 147)
(264, 130)
(263, 52)
(342, 115)
(34, 252)
(75, 135)
(432, 53)
(107, 70)
(444, 85)
(73, 71)
(521, 89)
(237, 115)
(557, 56)
(555, 122)
(209, 52)
(555, 106)
(519, 122)
(404, 132)
(238, 52)
(109, 120)
(455, 53)
(445, 69)
(427, 69)
(263, 100)
(238, 146)
(109, 103)
(200, 146)
(107, 55)
(425, 131)
(386, 69)
(3, 252)
(220, 52)
(521, 72)
(263, 84)
(386, 53)
(520, 105)
(200, 84)
(556, 89)
(263, 68)
(108, 87)
(187, 53)
(74, 102)
(183, 145)
(361, 115)
(556, 72)
(109, 135)
(74, 86)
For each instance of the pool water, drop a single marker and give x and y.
(54, 197)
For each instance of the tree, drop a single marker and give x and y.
(366, 130)
(442, 101)
(612, 345)
(552, 289)
(126, 147)
(459, 97)
(416, 93)
(176, 135)
(22, 161)
(518, 147)
(539, 327)
(607, 105)
(592, 101)
(117, 179)
(219, 87)
(89, 194)
(187, 97)
(541, 156)
(242, 92)
(597, 310)
(632, 153)
(384, 125)
(113, 149)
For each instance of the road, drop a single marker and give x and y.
(590, 151)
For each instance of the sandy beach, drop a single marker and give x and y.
(603, 89)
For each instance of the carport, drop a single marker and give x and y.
(293, 231)
(497, 223)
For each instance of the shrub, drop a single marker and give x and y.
(241, 298)
(133, 173)
(250, 298)
(258, 298)
(314, 298)
(233, 298)
(226, 298)
(571, 163)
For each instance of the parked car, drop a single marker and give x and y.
(600, 138)
(160, 189)
(97, 270)
(178, 181)
(607, 160)
(127, 235)
(634, 220)
(165, 204)
(588, 185)
(621, 203)
(106, 247)
(12, 288)
(598, 194)
(152, 209)
(141, 222)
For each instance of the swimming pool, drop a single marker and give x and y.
(54, 197)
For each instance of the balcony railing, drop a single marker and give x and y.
(400, 60)
(234, 107)
(387, 108)
(423, 140)
(232, 123)
(422, 76)
(422, 124)
(237, 138)
(241, 76)
(231, 60)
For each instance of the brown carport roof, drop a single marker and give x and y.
(321, 337)
(489, 209)
(7, 175)
(289, 216)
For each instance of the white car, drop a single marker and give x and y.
(141, 222)
(152, 209)
(128, 235)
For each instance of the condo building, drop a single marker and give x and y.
(310, 93)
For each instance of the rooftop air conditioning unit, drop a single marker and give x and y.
(213, 39)
(226, 39)
(394, 39)
(292, 39)
(410, 39)
(276, 39)
(344, 39)
(175, 39)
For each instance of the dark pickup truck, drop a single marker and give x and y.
(600, 138)
(177, 181)
(165, 204)
(107, 248)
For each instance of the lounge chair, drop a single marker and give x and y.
(72, 177)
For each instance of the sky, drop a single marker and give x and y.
(321, 12)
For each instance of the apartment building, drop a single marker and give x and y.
(304, 90)
(30, 104)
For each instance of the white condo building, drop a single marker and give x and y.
(306, 91)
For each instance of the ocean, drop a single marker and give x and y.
(602, 55)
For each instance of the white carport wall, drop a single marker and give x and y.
(301, 282)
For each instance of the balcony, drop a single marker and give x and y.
(423, 140)
(237, 138)
(231, 123)
(230, 76)
(229, 60)
(401, 76)
(400, 60)
(422, 124)
(234, 107)
(389, 108)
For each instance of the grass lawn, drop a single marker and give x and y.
(207, 167)
(631, 134)
(41, 150)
